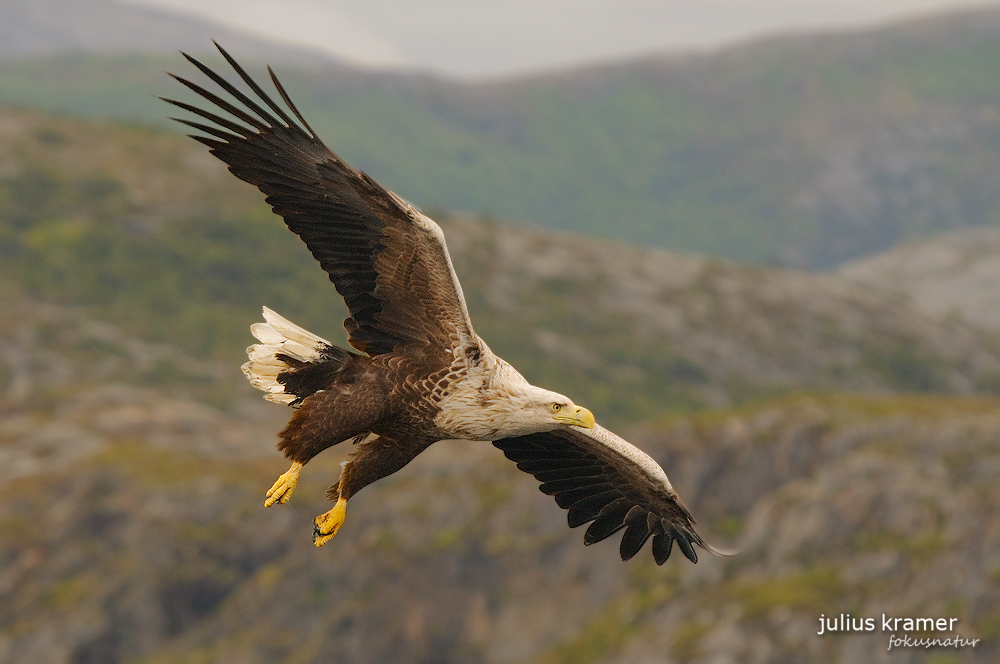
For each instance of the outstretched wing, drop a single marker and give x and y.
(386, 259)
(599, 477)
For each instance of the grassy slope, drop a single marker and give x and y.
(157, 550)
(802, 151)
(130, 221)
(154, 546)
(153, 234)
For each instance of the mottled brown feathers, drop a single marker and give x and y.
(425, 375)
(306, 378)
(387, 260)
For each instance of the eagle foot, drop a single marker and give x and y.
(283, 487)
(327, 524)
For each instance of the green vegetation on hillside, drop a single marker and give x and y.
(121, 220)
(145, 463)
(155, 541)
(806, 152)
(151, 233)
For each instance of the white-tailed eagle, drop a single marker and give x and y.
(422, 375)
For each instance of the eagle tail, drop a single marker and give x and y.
(285, 350)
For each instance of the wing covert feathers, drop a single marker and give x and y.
(387, 260)
(605, 481)
(391, 265)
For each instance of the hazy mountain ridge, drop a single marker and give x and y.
(803, 151)
(950, 276)
(155, 236)
(581, 312)
(131, 525)
(42, 27)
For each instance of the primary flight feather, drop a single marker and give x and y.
(423, 375)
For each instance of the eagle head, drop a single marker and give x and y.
(534, 409)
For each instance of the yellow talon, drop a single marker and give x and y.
(283, 487)
(327, 525)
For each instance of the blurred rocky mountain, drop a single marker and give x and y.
(72, 384)
(805, 151)
(844, 440)
(131, 530)
(950, 276)
(152, 234)
(47, 27)
(671, 331)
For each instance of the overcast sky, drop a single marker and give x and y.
(476, 38)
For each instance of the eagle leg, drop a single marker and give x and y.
(283, 487)
(328, 523)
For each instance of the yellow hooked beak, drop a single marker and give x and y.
(577, 416)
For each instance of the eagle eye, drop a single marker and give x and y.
(556, 407)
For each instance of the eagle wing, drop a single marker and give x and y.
(388, 261)
(599, 477)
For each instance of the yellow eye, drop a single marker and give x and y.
(556, 407)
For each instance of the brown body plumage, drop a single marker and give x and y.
(424, 374)
(363, 396)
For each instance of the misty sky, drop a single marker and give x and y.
(474, 38)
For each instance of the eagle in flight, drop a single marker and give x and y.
(422, 374)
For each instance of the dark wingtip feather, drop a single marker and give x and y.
(193, 60)
(685, 545)
(633, 539)
(568, 498)
(234, 127)
(654, 524)
(584, 484)
(636, 516)
(268, 119)
(263, 96)
(218, 133)
(210, 142)
(222, 103)
(602, 528)
(288, 100)
(589, 508)
(662, 544)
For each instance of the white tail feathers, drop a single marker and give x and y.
(279, 336)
